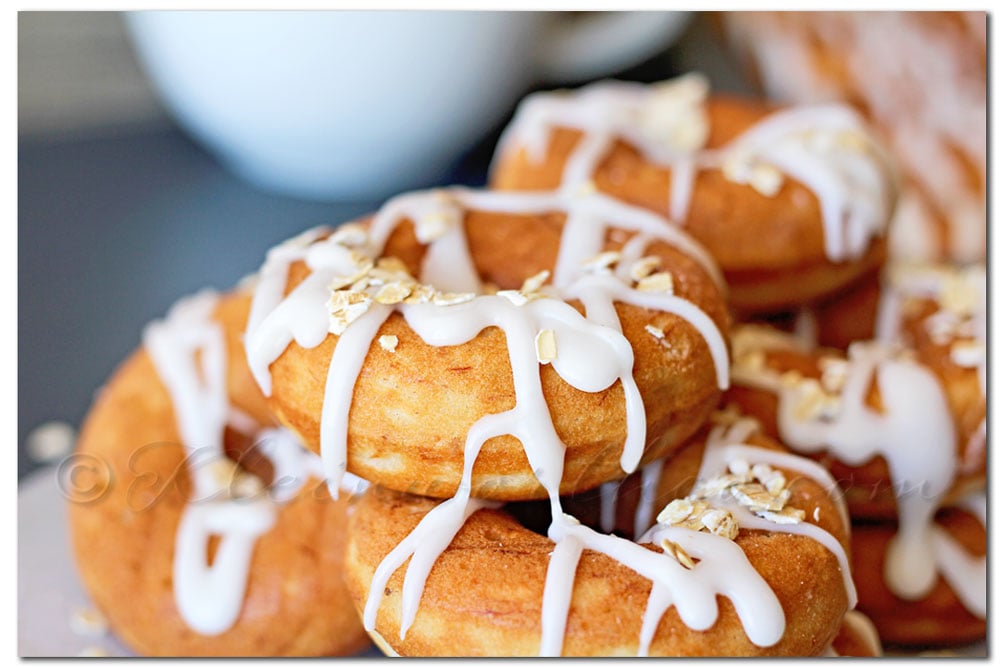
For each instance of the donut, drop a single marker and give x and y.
(954, 610)
(920, 78)
(549, 342)
(793, 202)
(879, 416)
(190, 552)
(755, 586)
(936, 310)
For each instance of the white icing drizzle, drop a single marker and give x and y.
(644, 517)
(210, 597)
(609, 505)
(960, 294)
(593, 354)
(826, 148)
(966, 574)
(723, 568)
(921, 84)
(915, 434)
(725, 444)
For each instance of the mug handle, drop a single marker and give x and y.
(603, 42)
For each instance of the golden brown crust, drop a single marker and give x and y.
(483, 596)
(937, 619)
(771, 249)
(123, 533)
(412, 408)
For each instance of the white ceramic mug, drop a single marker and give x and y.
(342, 104)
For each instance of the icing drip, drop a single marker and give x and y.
(920, 82)
(961, 319)
(722, 567)
(609, 505)
(965, 573)
(826, 148)
(647, 497)
(593, 354)
(914, 433)
(188, 350)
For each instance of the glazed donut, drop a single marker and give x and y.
(954, 611)
(880, 417)
(936, 310)
(488, 378)
(920, 78)
(756, 586)
(792, 203)
(170, 499)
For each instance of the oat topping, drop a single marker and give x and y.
(834, 374)
(745, 170)
(675, 115)
(386, 281)
(643, 267)
(529, 291)
(676, 552)
(545, 346)
(516, 297)
(656, 332)
(758, 487)
(345, 307)
(813, 402)
(362, 266)
(602, 262)
(388, 342)
(393, 293)
(535, 282)
(451, 298)
(662, 281)
(700, 516)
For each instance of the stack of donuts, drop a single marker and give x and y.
(541, 418)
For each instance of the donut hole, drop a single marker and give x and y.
(535, 515)
(244, 450)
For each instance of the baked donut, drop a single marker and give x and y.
(793, 203)
(880, 417)
(954, 611)
(490, 378)
(936, 310)
(748, 585)
(920, 78)
(184, 550)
